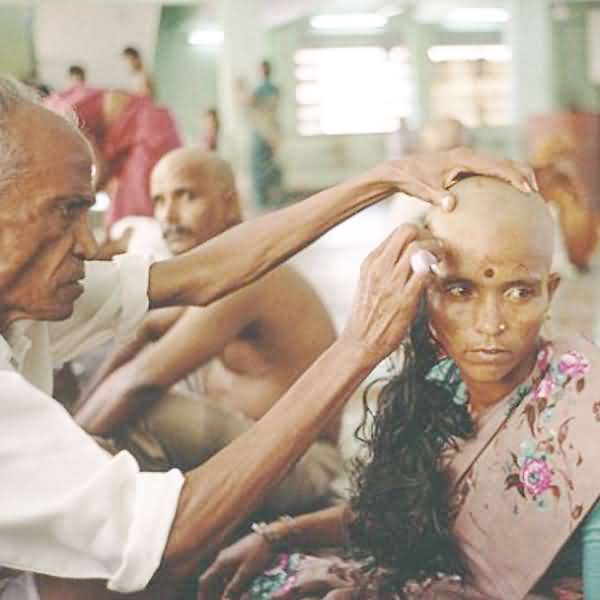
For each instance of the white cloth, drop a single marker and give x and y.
(67, 508)
(21, 588)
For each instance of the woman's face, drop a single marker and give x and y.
(487, 309)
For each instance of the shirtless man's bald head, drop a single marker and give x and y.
(195, 197)
(488, 306)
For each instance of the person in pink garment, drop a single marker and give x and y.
(130, 133)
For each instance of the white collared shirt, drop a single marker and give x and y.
(68, 508)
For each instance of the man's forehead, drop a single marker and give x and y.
(50, 141)
(179, 175)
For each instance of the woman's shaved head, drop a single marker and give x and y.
(488, 306)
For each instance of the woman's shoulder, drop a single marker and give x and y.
(576, 343)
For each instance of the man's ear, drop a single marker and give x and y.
(553, 283)
(233, 214)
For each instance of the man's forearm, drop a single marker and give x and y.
(220, 494)
(247, 251)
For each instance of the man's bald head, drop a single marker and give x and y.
(195, 197)
(493, 218)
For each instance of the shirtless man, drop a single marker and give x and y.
(251, 346)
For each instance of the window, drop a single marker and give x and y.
(352, 90)
(472, 83)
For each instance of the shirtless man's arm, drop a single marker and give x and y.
(192, 339)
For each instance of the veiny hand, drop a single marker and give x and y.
(389, 292)
(428, 176)
(235, 567)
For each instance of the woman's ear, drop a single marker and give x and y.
(553, 283)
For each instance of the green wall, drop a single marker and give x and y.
(185, 75)
(574, 90)
(550, 74)
(16, 55)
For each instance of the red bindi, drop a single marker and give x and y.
(489, 273)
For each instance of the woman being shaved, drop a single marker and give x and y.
(480, 477)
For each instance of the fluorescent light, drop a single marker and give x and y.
(478, 15)
(349, 21)
(390, 11)
(490, 52)
(206, 37)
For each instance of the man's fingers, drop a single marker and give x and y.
(529, 174)
(517, 174)
(508, 171)
(436, 196)
(397, 242)
(417, 258)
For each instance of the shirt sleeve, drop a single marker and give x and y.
(114, 302)
(69, 509)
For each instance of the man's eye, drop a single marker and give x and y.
(72, 209)
(519, 293)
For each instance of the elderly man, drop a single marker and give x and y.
(68, 509)
(249, 352)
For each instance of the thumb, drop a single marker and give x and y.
(437, 196)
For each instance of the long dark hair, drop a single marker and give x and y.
(401, 517)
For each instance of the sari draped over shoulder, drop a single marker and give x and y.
(521, 487)
(132, 143)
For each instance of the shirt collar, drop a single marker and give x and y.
(15, 344)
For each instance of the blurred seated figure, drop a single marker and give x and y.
(195, 379)
(442, 134)
(576, 306)
(562, 186)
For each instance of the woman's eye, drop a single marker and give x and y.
(519, 293)
(458, 290)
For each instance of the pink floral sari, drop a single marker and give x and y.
(521, 486)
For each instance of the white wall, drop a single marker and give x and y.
(92, 34)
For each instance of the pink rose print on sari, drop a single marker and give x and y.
(531, 474)
(536, 476)
(573, 364)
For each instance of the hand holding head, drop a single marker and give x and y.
(393, 279)
(429, 176)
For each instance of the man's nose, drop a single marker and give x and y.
(171, 211)
(490, 318)
(85, 244)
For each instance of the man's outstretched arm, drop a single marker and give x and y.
(244, 253)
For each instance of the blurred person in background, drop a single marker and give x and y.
(576, 306)
(212, 129)
(141, 83)
(76, 75)
(262, 106)
(129, 134)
